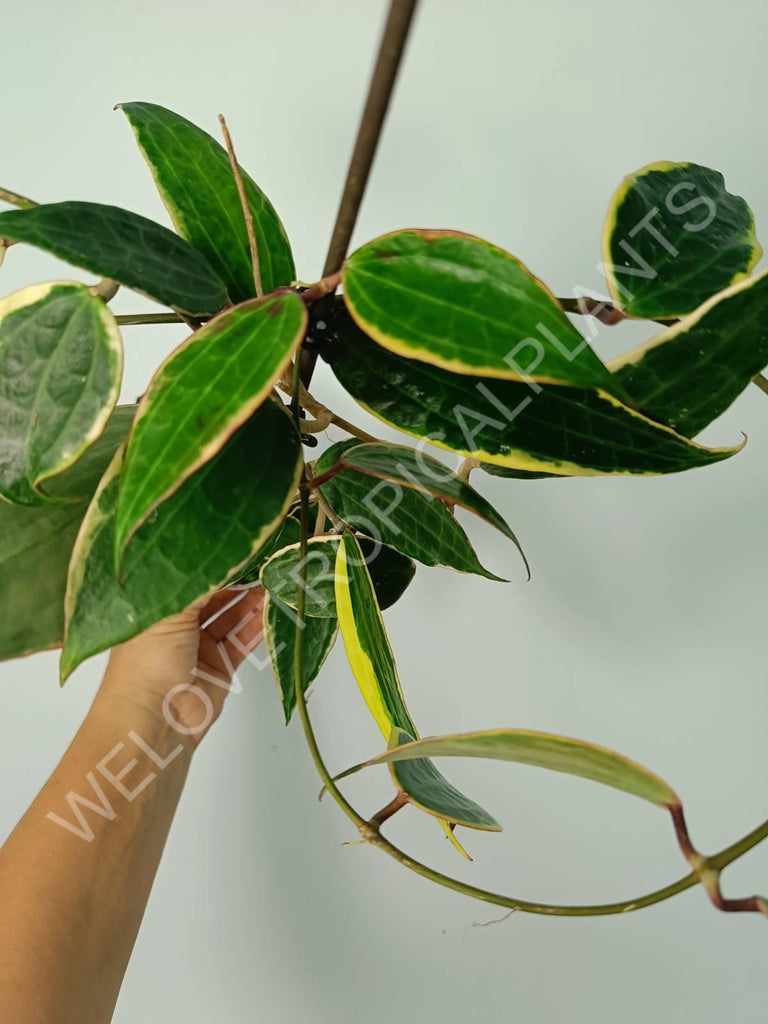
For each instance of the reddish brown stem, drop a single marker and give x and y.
(603, 311)
(318, 481)
(392, 807)
(708, 873)
(323, 287)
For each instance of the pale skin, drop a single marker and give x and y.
(71, 908)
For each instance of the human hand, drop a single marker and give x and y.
(181, 668)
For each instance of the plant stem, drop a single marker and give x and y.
(385, 70)
(740, 847)
(106, 289)
(128, 319)
(322, 519)
(329, 474)
(394, 805)
(16, 200)
(382, 82)
(326, 512)
(607, 313)
(325, 286)
(191, 321)
(318, 410)
(370, 830)
(248, 216)
(604, 311)
(466, 468)
(301, 703)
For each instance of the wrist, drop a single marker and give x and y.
(131, 712)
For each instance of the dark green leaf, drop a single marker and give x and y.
(673, 237)
(288, 532)
(61, 361)
(373, 665)
(414, 523)
(318, 637)
(543, 750)
(516, 474)
(459, 303)
(200, 395)
(200, 536)
(195, 181)
(688, 374)
(391, 572)
(36, 544)
(410, 468)
(125, 247)
(565, 431)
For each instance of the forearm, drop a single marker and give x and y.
(74, 879)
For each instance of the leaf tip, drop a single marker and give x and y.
(66, 667)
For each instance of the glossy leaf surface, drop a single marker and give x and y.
(195, 181)
(200, 395)
(414, 523)
(564, 431)
(124, 246)
(373, 665)
(36, 544)
(288, 532)
(391, 573)
(543, 750)
(425, 474)
(213, 524)
(688, 374)
(318, 637)
(673, 237)
(61, 361)
(458, 302)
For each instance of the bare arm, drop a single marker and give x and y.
(75, 876)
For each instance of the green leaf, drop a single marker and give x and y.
(201, 394)
(373, 665)
(125, 247)
(391, 572)
(61, 360)
(414, 523)
(542, 750)
(516, 474)
(318, 637)
(674, 236)
(559, 430)
(288, 532)
(459, 303)
(212, 525)
(36, 544)
(428, 476)
(194, 178)
(688, 374)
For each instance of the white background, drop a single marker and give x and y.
(644, 626)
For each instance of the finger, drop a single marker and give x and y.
(211, 660)
(225, 654)
(245, 639)
(214, 604)
(250, 602)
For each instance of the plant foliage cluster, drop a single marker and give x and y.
(114, 517)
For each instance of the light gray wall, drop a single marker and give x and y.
(644, 625)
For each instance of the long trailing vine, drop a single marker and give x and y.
(136, 511)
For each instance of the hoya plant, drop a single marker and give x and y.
(114, 517)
